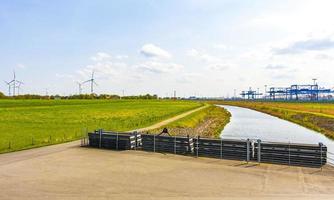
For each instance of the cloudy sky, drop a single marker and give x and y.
(196, 47)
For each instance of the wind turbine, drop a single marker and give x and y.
(80, 88)
(9, 86)
(92, 82)
(14, 82)
(19, 86)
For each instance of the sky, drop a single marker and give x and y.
(195, 47)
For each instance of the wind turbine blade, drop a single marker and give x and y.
(95, 83)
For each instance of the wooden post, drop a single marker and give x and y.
(9, 145)
(259, 151)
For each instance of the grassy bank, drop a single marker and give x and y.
(208, 122)
(315, 116)
(32, 123)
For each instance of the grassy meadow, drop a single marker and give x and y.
(32, 123)
(312, 115)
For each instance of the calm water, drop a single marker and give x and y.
(246, 123)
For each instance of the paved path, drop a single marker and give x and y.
(86, 173)
(167, 121)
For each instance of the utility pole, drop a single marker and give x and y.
(314, 81)
(14, 84)
(265, 91)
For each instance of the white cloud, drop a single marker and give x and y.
(64, 76)
(220, 46)
(275, 67)
(153, 51)
(121, 57)
(311, 44)
(204, 57)
(211, 62)
(190, 77)
(101, 56)
(159, 67)
(21, 66)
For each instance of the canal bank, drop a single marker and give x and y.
(249, 124)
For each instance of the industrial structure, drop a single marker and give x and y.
(312, 92)
(300, 92)
(251, 94)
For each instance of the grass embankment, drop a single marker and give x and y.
(315, 116)
(208, 122)
(32, 123)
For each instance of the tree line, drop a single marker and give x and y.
(81, 96)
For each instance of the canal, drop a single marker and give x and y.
(249, 124)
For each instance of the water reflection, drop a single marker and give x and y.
(246, 123)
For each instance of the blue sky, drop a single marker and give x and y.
(200, 47)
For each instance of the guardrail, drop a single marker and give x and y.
(330, 158)
(308, 155)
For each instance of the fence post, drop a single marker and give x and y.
(174, 144)
(50, 139)
(289, 153)
(247, 146)
(32, 140)
(221, 148)
(320, 144)
(117, 140)
(154, 143)
(100, 141)
(259, 151)
(136, 139)
(197, 145)
(9, 145)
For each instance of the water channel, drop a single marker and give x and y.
(249, 124)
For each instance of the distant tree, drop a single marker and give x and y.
(2, 96)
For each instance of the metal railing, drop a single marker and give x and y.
(330, 158)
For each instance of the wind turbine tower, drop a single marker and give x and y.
(15, 84)
(92, 83)
(80, 87)
(9, 87)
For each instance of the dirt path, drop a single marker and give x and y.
(167, 121)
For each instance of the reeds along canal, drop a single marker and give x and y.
(250, 124)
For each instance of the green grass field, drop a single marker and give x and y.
(32, 123)
(315, 116)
